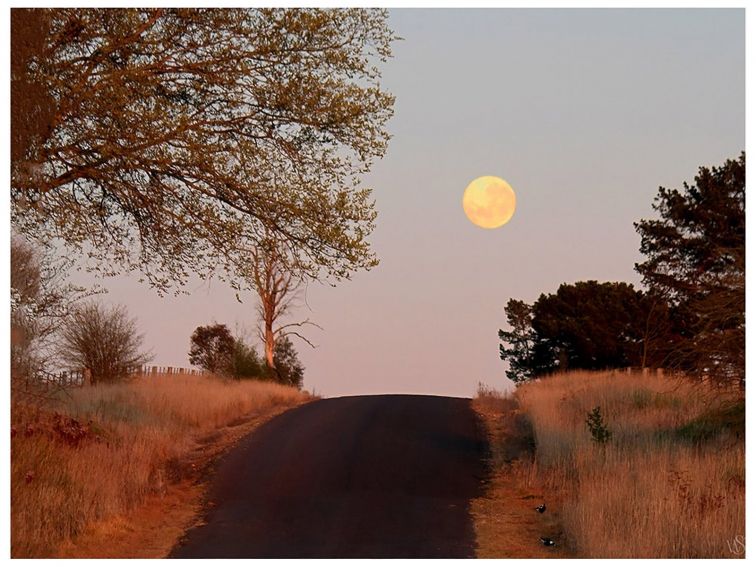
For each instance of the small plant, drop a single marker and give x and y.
(595, 422)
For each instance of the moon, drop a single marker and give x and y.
(489, 202)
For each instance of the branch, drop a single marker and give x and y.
(301, 337)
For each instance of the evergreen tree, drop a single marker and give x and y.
(695, 258)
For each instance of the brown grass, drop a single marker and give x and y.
(669, 484)
(506, 524)
(105, 450)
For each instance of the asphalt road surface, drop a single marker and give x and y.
(365, 476)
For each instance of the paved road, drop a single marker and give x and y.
(364, 476)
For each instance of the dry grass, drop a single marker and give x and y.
(669, 484)
(506, 524)
(107, 448)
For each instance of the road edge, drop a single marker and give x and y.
(152, 529)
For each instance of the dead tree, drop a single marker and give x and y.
(277, 282)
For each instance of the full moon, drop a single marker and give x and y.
(489, 202)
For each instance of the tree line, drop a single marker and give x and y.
(690, 316)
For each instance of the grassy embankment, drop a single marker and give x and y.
(669, 483)
(99, 455)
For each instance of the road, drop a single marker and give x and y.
(387, 476)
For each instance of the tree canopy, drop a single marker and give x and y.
(170, 139)
(695, 258)
(212, 348)
(585, 325)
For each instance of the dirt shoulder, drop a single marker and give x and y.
(152, 529)
(505, 520)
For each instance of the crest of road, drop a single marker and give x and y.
(386, 476)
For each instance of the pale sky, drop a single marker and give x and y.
(584, 112)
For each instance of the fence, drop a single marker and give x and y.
(64, 379)
(83, 377)
(167, 370)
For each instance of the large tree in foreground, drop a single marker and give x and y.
(161, 138)
(695, 257)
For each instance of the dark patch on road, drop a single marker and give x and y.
(366, 476)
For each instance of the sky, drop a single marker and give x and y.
(584, 112)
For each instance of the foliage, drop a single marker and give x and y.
(104, 340)
(695, 257)
(213, 348)
(592, 325)
(599, 431)
(288, 369)
(521, 340)
(172, 140)
(585, 325)
(246, 362)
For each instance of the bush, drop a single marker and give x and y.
(288, 371)
(246, 362)
(599, 431)
(104, 340)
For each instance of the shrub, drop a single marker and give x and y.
(288, 371)
(104, 340)
(599, 431)
(246, 362)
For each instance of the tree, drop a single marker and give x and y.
(212, 348)
(593, 325)
(104, 340)
(163, 137)
(41, 300)
(695, 258)
(275, 278)
(520, 339)
(586, 325)
(32, 106)
(288, 369)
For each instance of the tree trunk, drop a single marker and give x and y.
(270, 344)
